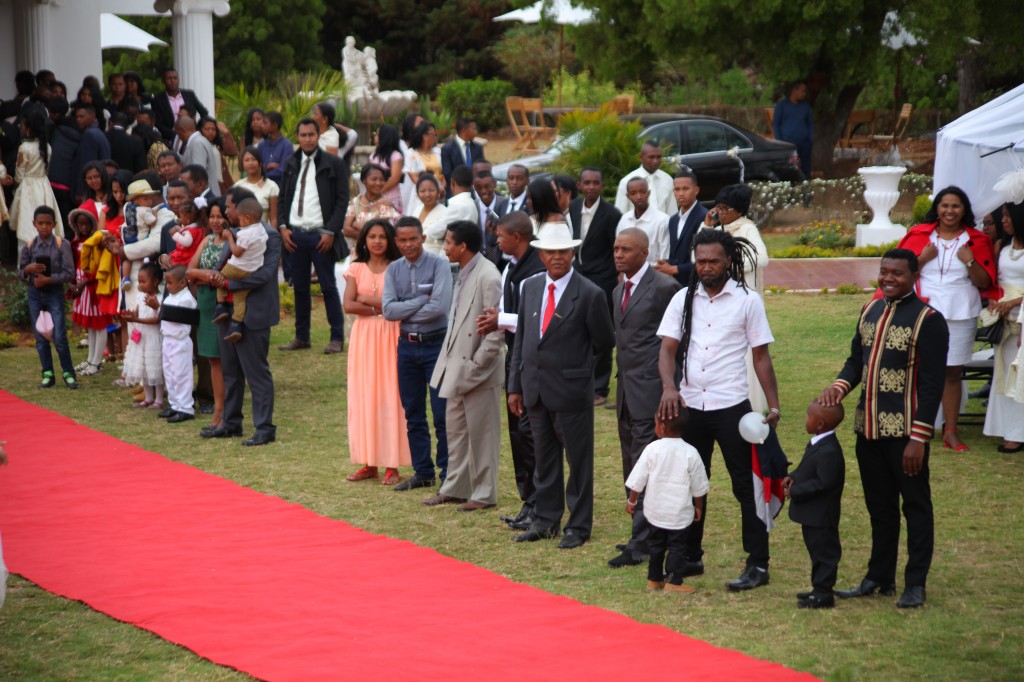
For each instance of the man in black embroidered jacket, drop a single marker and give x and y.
(899, 352)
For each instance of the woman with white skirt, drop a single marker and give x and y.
(1005, 415)
(957, 268)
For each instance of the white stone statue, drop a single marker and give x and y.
(363, 85)
(372, 83)
(352, 65)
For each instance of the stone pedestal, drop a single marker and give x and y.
(881, 192)
(192, 39)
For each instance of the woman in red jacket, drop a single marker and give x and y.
(958, 269)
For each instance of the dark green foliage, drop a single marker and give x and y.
(478, 99)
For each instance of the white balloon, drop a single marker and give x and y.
(753, 429)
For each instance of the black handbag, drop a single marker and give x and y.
(992, 334)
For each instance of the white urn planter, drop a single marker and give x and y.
(881, 192)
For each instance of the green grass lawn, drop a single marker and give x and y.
(971, 629)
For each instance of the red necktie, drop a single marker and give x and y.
(549, 311)
(625, 295)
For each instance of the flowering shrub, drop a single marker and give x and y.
(827, 235)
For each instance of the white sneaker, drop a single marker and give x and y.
(90, 370)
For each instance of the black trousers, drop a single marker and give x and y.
(603, 362)
(244, 363)
(520, 437)
(823, 545)
(704, 429)
(636, 432)
(571, 432)
(881, 473)
(660, 541)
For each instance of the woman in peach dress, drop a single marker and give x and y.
(376, 420)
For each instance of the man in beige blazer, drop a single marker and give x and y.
(469, 374)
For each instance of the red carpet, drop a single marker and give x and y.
(254, 583)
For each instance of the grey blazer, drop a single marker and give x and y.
(559, 368)
(263, 307)
(637, 342)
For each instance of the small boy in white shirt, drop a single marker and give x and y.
(177, 306)
(247, 250)
(673, 474)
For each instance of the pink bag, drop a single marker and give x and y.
(44, 325)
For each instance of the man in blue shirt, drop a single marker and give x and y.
(793, 121)
(275, 147)
(418, 293)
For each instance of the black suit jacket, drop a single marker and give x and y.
(491, 250)
(559, 368)
(637, 342)
(331, 185)
(127, 150)
(594, 258)
(679, 247)
(451, 156)
(165, 116)
(818, 482)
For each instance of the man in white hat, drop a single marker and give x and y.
(563, 322)
(146, 192)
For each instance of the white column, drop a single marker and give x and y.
(192, 39)
(32, 31)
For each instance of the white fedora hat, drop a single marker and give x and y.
(555, 237)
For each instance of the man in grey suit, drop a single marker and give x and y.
(638, 304)
(563, 322)
(246, 361)
(469, 373)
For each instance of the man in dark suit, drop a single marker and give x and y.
(489, 202)
(638, 304)
(516, 180)
(461, 150)
(593, 222)
(682, 226)
(815, 491)
(310, 214)
(168, 103)
(127, 150)
(515, 237)
(93, 146)
(563, 321)
(246, 361)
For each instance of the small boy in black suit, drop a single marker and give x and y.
(815, 489)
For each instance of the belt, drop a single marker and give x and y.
(305, 229)
(414, 337)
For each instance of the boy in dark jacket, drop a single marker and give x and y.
(815, 489)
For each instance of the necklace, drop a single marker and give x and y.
(948, 254)
(1015, 254)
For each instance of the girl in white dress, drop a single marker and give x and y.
(143, 362)
(1004, 417)
(30, 175)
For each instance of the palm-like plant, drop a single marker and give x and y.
(294, 96)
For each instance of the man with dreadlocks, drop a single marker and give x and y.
(712, 323)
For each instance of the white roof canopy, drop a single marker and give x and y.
(116, 32)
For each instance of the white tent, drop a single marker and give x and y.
(116, 32)
(975, 150)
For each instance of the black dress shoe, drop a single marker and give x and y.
(260, 438)
(571, 540)
(525, 524)
(691, 568)
(179, 417)
(205, 408)
(535, 534)
(165, 413)
(221, 432)
(867, 588)
(624, 559)
(525, 511)
(750, 578)
(912, 598)
(817, 600)
(414, 482)
(800, 596)
(1009, 451)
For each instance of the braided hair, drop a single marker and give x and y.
(739, 251)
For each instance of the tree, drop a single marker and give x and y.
(260, 40)
(836, 46)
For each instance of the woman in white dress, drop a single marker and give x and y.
(427, 206)
(30, 176)
(408, 186)
(425, 155)
(1005, 415)
(330, 139)
(957, 270)
(254, 180)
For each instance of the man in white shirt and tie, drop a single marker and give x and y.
(658, 182)
(648, 218)
(516, 180)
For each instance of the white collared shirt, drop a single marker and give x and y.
(816, 438)
(683, 216)
(516, 203)
(312, 215)
(483, 211)
(660, 184)
(635, 280)
(655, 224)
(723, 328)
(560, 286)
(673, 474)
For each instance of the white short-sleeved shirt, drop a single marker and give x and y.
(655, 224)
(263, 190)
(723, 328)
(673, 473)
(254, 240)
(946, 283)
(329, 138)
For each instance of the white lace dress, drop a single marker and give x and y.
(143, 361)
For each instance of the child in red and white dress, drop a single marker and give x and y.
(85, 311)
(187, 235)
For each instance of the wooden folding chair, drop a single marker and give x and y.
(621, 104)
(889, 142)
(853, 137)
(533, 122)
(514, 109)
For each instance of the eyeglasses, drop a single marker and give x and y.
(988, 222)
(722, 208)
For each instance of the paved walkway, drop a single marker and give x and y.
(815, 273)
